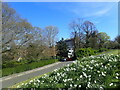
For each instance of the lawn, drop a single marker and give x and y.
(26, 67)
(90, 72)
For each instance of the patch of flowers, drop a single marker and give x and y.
(91, 72)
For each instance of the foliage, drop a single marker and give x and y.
(102, 39)
(62, 49)
(22, 40)
(24, 66)
(91, 72)
(82, 52)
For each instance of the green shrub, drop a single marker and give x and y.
(82, 52)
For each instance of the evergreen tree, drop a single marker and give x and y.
(62, 49)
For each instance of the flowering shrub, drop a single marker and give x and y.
(92, 72)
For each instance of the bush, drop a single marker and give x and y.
(82, 52)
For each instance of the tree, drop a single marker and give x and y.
(14, 29)
(76, 27)
(89, 29)
(51, 35)
(93, 39)
(18, 34)
(102, 38)
(117, 40)
(62, 49)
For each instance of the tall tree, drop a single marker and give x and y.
(102, 38)
(89, 28)
(93, 39)
(117, 40)
(51, 35)
(62, 49)
(77, 34)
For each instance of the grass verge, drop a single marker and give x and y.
(26, 67)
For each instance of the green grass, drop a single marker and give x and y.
(115, 52)
(25, 67)
(97, 54)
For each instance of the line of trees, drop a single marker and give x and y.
(21, 40)
(86, 35)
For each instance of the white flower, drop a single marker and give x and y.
(88, 84)
(58, 74)
(116, 77)
(98, 71)
(31, 81)
(22, 83)
(84, 74)
(110, 60)
(103, 74)
(110, 84)
(75, 85)
(117, 74)
(64, 80)
(101, 88)
(97, 64)
(34, 83)
(38, 80)
(70, 85)
(95, 81)
(81, 76)
(79, 86)
(55, 70)
(91, 67)
(18, 86)
(89, 79)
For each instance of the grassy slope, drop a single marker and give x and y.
(26, 67)
(108, 52)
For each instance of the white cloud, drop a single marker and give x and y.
(92, 9)
(99, 12)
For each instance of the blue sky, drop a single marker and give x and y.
(103, 14)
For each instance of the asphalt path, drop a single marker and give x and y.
(19, 77)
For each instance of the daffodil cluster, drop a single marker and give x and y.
(91, 72)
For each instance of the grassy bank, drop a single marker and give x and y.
(26, 67)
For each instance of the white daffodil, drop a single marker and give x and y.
(110, 84)
(70, 85)
(79, 86)
(81, 76)
(75, 85)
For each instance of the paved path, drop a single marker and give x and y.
(16, 78)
